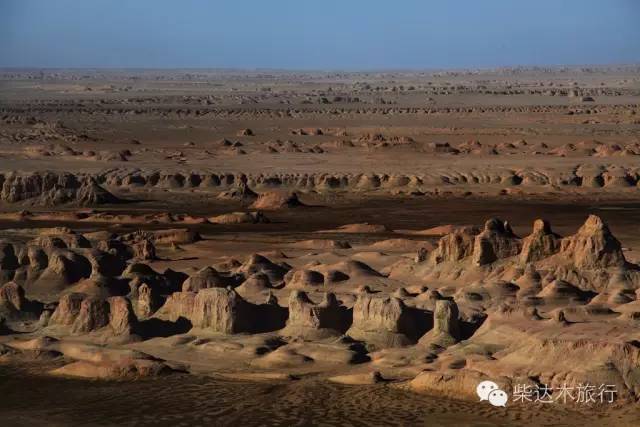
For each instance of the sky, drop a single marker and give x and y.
(317, 34)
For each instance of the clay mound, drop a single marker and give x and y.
(312, 321)
(274, 200)
(260, 264)
(382, 322)
(109, 364)
(561, 291)
(530, 282)
(364, 227)
(207, 277)
(258, 282)
(354, 269)
(240, 218)
(99, 286)
(282, 357)
(303, 279)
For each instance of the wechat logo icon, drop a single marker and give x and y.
(489, 391)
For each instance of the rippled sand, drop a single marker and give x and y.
(192, 401)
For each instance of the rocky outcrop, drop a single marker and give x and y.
(146, 302)
(83, 314)
(257, 282)
(64, 267)
(496, 241)
(540, 244)
(382, 322)
(15, 309)
(67, 310)
(207, 277)
(593, 246)
(315, 321)
(122, 320)
(273, 200)
(53, 189)
(260, 264)
(303, 279)
(446, 325)
(221, 310)
(179, 305)
(62, 238)
(144, 250)
(455, 246)
(94, 314)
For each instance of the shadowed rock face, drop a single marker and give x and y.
(314, 321)
(144, 250)
(384, 322)
(68, 309)
(147, 302)
(122, 320)
(540, 244)
(205, 278)
(93, 315)
(8, 259)
(496, 241)
(15, 307)
(593, 246)
(12, 295)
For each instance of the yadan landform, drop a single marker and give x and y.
(282, 248)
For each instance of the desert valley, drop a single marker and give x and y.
(237, 247)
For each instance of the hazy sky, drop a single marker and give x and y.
(317, 34)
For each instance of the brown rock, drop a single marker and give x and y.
(540, 244)
(384, 322)
(315, 321)
(221, 310)
(121, 317)
(144, 250)
(496, 241)
(94, 314)
(68, 309)
(455, 246)
(593, 246)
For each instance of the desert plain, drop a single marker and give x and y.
(236, 247)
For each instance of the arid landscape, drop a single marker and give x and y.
(228, 247)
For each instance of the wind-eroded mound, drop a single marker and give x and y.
(52, 189)
(273, 200)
